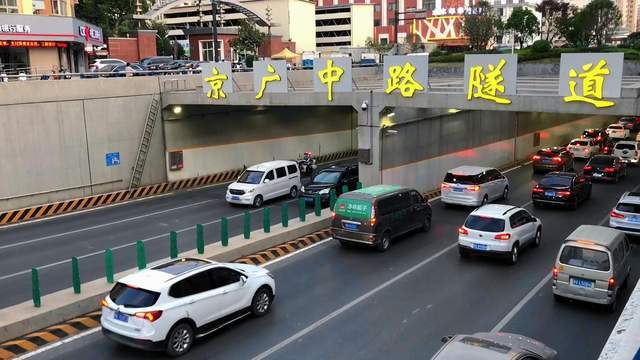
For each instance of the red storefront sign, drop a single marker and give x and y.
(26, 43)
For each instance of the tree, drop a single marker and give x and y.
(606, 18)
(552, 12)
(479, 25)
(377, 47)
(248, 40)
(576, 29)
(500, 27)
(115, 17)
(163, 44)
(413, 44)
(523, 24)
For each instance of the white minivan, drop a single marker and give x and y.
(265, 181)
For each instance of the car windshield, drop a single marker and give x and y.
(625, 146)
(251, 177)
(128, 296)
(483, 223)
(579, 143)
(327, 177)
(460, 179)
(630, 208)
(549, 152)
(601, 161)
(585, 258)
(556, 181)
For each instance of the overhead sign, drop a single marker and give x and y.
(89, 33)
(20, 43)
(490, 77)
(269, 76)
(406, 75)
(591, 78)
(15, 28)
(331, 75)
(217, 79)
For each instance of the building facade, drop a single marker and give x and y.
(629, 11)
(343, 26)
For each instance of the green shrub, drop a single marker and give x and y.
(436, 52)
(541, 46)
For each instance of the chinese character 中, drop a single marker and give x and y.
(592, 85)
(329, 75)
(485, 86)
(267, 79)
(216, 81)
(401, 77)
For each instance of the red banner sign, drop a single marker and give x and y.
(25, 43)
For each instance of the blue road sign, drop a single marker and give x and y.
(112, 159)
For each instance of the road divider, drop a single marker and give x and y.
(624, 341)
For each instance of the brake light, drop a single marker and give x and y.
(463, 231)
(586, 150)
(564, 193)
(557, 159)
(536, 157)
(588, 167)
(554, 273)
(333, 215)
(599, 137)
(104, 303)
(473, 188)
(537, 189)
(445, 186)
(149, 315)
(504, 236)
(615, 214)
(609, 169)
(606, 149)
(612, 283)
(373, 216)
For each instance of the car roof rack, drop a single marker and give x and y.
(509, 209)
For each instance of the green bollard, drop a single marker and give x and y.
(345, 189)
(266, 220)
(141, 258)
(317, 205)
(246, 224)
(224, 231)
(200, 238)
(302, 211)
(35, 287)
(359, 185)
(332, 199)
(75, 275)
(284, 214)
(173, 245)
(108, 265)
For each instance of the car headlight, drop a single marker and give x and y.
(250, 191)
(322, 192)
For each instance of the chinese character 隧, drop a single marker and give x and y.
(487, 85)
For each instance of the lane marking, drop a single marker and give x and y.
(350, 305)
(511, 314)
(59, 343)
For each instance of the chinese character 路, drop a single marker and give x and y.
(487, 85)
(401, 78)
(267, 79)
(592, 85)
(216, 81)
(329, 75)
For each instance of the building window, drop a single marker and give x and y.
(376, 8)
(376, 22)
(429, 4)
(392, 7)
(9, 6)
(59, 7)
(384, 40)
(206, 48)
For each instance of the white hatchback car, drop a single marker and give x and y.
(627, 151)
(166, 307)
(499, 230)
(583, 148)
(617, 131)
(265, 181)
(473, 186)
(626, 215)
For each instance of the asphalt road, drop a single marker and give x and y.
(353, 303)
(49, 244)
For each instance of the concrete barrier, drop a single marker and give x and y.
(624, 341)
(24, 318)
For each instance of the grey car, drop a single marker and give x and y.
(493, 346)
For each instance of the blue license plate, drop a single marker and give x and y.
(634, 219)
(456, 189)
(550, 193)
(480, 247)
(235, 198)
(309, 200)
(350, 226)
(120, 316)
(583, 283)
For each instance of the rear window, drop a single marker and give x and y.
(602, 160)
(579, 143)
(461, 179)
(631, 208)
(128, 296)
(590, 134)
(625, 146)
(585, 258)
(556, 181)
(617, 127)
(549, 152)
(482, 223)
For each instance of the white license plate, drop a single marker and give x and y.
(482, 247)
(582, 283)
(597, 175)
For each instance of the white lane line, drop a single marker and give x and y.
(521, 304)
(61, 342)
(348, 306)
(101, 225)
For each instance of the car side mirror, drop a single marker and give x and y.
(446, 339)
(266, 181)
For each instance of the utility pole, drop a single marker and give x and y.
(214, 28)
(397, 22)
(268, 17)
(199, 4)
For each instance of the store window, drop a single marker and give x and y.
(9, 6)
(429, 5)
(206, 48)
(13, 60)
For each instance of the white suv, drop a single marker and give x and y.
(100, 63)
(627, 151)
(473, 186)
(265, 181)
(583, 148)
(617, 131)
(499, 230)
(626, 215)
(168, 306)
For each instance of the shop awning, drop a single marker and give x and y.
(285, 54)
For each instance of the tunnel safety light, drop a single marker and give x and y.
(177, 109)
(453, 111)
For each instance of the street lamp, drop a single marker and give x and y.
(214, 29)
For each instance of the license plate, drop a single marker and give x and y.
(458, 189)
(634, 219)
(480, 246)
(120, 316)
(583, 283)
(235, 198)
(550, 193)
(350, 226)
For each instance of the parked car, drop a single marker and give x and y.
(166, 307)
(554, 159)
(631, 123)
(627, 151)
(617, 131)
(473, 186)
(499, 230)
(98, 64)
(265, 181)
(605, 167)
(493, 346)
(561, 188)
(625, 216)
(583, 148)
(121, 70)
(155, 62)
(335, 178)
(599, 135)
(375, 215)
(592, 265)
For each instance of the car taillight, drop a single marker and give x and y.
(588, 167)
(554, 273)
(606, 149)
(615, 214)
(463, 231)
(445, 186)
(504, 236)
(599, 137)
(373, 216)
(473, 188)
(609, 169)
(149, 315)
(536, 157)
(586, 150)
(564, 193)
(557, 159)
(612, 283)
(537, 190)
(104, 303)
(333, 215)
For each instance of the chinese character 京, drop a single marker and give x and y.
(401, 77)
(592, 85)
(329, 75)
(267, 79)
(216, 81)
(487, 85)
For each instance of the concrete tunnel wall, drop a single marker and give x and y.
(232, 139)
(420, 154)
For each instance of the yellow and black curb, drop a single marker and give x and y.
(67, 206)
(284, 249)
(49, 335)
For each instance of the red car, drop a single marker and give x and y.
(599, 135)
(630, 122)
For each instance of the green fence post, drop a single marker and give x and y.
(266, 220)
(35, 287)
(284, 214)
(108, 265)
(302, 211)
(317, 205)
(141, 258)
(224, 231)
(345, 189)
(173, 244)
(332, 199)
(200, 238)
(75, 275)
(246, 224)
(359, 185)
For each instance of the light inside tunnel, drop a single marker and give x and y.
(177, 109)
(453, 111)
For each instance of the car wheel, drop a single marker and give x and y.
(514, 254)
(611, 308)
(505, 193)
(258, 201)
(485, 200)
(293, 193)
(179, 340)
(426, 225)
(463, 253)
(538, 238)
(261, 303)
(384, 242)
(344, 243)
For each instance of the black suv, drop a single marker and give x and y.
(334, 177)
(561, 188)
